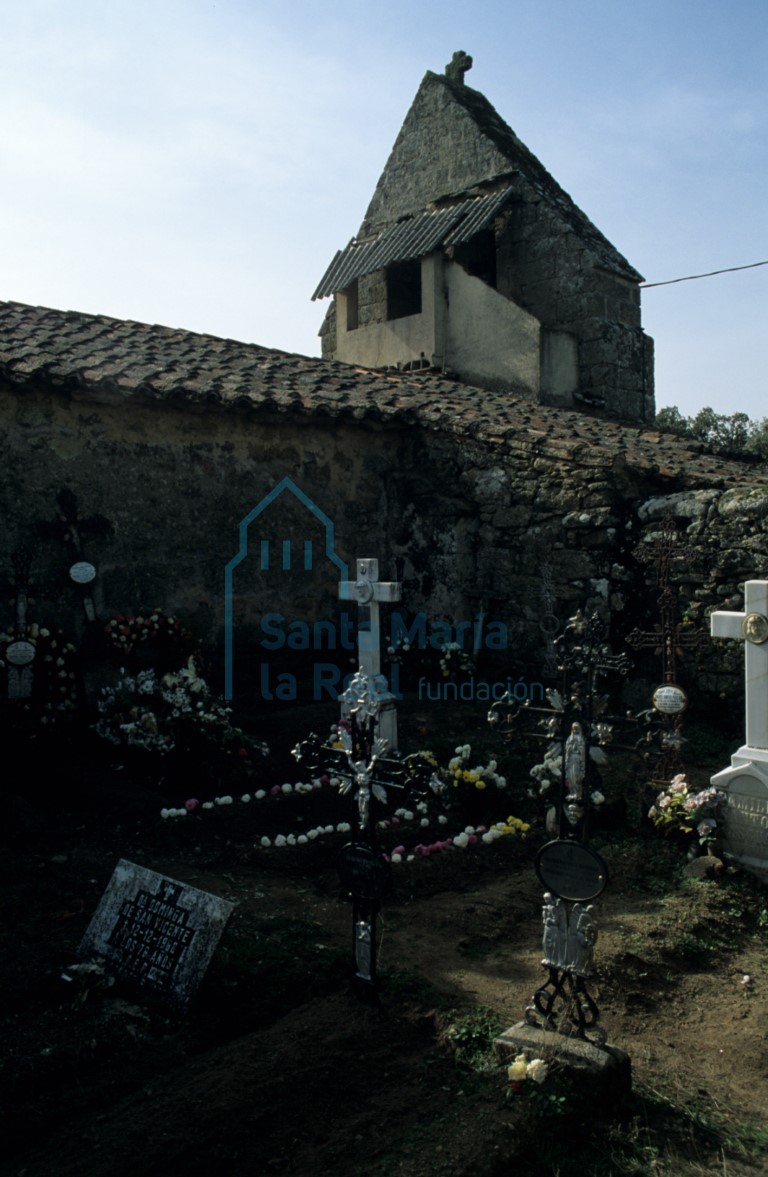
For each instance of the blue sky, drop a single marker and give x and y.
(198, 163)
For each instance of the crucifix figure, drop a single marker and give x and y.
(368, 591)
(751, 627)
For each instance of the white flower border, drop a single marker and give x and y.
(469, 836)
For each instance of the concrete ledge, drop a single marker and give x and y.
(607, 1069)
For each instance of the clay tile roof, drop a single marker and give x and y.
(93, 357)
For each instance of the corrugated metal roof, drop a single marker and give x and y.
(409, 239)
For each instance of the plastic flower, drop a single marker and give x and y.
(537, 1070)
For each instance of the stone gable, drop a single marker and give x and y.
(472, 260)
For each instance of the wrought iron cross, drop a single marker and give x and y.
(669, 638)
(367, 773)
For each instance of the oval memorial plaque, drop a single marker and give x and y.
(670, 699)
(82, 572)
(20, 653)
(571, 871)
(755, 628)
(364, 872)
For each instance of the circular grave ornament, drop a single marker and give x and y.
(669, 699)
(572, 871)
(364, 872)
(755, 628)
(363, 591)
(20, 653)
(82, 572)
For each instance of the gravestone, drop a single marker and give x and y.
(745, 784)
(368, 591)
(156, 933)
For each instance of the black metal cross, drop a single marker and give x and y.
(368, 774)
(576, 727)
(668, 640)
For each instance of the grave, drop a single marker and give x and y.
(156, 933)
(745, 784)
(562, 1020)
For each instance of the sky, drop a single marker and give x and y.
(197, 163)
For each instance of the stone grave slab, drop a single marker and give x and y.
(605, 1070)
(156, 933)
(745, 815)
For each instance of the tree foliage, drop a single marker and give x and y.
(734, 434)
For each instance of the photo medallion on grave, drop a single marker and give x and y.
(363, 872)
(571, 870)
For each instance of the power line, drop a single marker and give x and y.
(711, 274)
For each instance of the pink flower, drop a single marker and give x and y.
(275, 790)
(193, 803)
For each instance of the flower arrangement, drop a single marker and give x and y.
(681, 810)
(428, 655)
(520, 1070)
(174, 712)
(470, 789)
(479, 777)
(54, 670)
(152, 631)
(454, 663)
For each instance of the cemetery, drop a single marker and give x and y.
(258, 949)
(386, 787)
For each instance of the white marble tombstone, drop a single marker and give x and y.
(745, 783)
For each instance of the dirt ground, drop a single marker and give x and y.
(278, 1067)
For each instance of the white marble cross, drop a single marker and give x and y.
(751, 627)
(368, 591)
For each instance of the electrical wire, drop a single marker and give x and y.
(711, 274)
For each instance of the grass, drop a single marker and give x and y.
(470, 1035)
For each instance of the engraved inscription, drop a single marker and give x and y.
(746, 819)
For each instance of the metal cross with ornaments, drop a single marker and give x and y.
(360, 762)
(668, 640)
(576, 727)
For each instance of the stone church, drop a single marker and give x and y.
(471, 260)
(482, 418)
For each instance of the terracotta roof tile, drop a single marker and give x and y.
(93, 356)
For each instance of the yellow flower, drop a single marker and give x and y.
(479, 784)
(517, 1070)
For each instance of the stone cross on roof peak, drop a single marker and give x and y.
(458, 66)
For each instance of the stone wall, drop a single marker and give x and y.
(466, 522)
